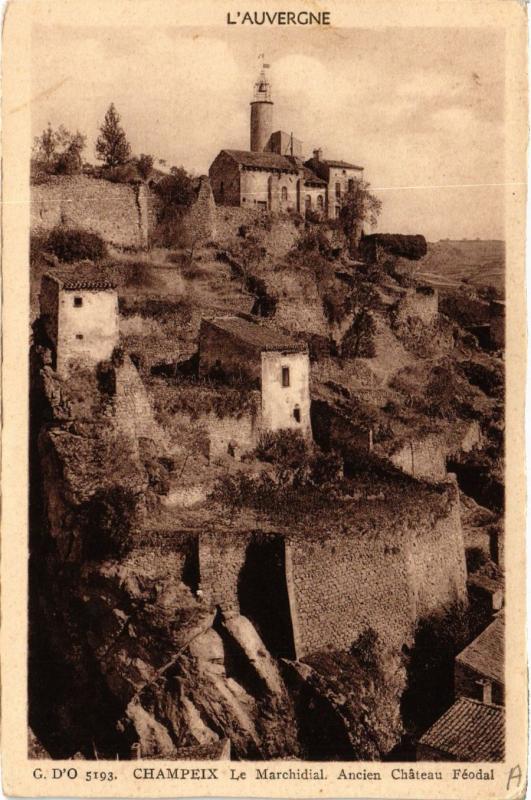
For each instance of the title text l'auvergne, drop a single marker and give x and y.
(278, 18)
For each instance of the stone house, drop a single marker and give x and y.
(79, 311)
(339, 176)
(468, 731)
(233, 348)
(273, 175)
(266, 181)
(479, 668)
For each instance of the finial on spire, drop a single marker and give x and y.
(262, 87)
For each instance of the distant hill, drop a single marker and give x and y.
(448, 262)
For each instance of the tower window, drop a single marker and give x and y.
(284, 193)
(79, 335)
(297, 414)
(78, 302)
(285, 377)
(320, 201)
(308, 202)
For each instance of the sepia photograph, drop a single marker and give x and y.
(267, 266)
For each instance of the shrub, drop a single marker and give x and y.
(110, 523)
(314, 240)
(365, 649)
(475, 559)
(286, 449)
(75, 244)
(326, 468)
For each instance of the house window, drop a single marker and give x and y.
(285, 376)
(284, 193)
(338, 210)
(297, 414)
(78, 302)
(351, 184)
(320, 202)
(338, 190)
(79, 335)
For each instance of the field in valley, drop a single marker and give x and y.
(448, 262)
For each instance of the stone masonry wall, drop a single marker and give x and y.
(422, 458)
(132, 408)
(342, 584)
(123, 214)
(118, 212)
(339, 583)
(201, 220)
(221, 560)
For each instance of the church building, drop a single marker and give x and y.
(273, 174)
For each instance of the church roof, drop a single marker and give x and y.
(265, 161)
(469, 731)
(258, 336)
(485, 655)
(341, 164)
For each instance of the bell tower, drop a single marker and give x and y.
(261, 112)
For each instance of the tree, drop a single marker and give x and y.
(59, 151)
(358, 341)
(359, 205)
(69, 160)
(112, 146)
(144, 165)
(44, 145)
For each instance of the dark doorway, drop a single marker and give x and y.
(263, 594)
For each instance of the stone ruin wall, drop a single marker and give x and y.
(422, 458)
(239, 434)
(339, 583)
(123, 214)
(118, 212)
(133, 411)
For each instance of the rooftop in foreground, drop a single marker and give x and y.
(80, 277)
(485, 655)
(258, 336)
(469, 731)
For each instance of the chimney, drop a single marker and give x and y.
(318, 154)
(487, 691)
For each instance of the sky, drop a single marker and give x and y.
(422, 109)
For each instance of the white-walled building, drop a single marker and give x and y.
(233, 348)
(80, 315)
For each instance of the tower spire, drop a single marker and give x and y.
(262, 87)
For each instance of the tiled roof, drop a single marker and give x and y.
(267, 161)
(80, 277)
(485, 655)
(258, 336)
(469, 731)
(341, 164)
(311, 178)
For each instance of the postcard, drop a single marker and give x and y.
(263, 473)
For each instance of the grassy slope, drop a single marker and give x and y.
(448, 262)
